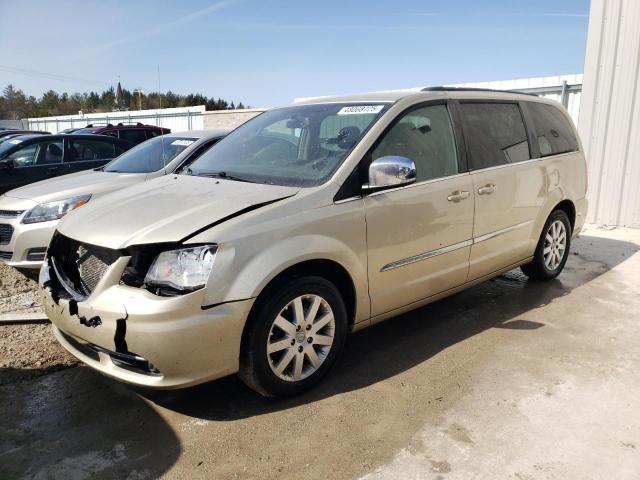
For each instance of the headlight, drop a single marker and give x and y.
(186, 269)
(54, 210)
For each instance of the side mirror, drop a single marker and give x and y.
(6, 165)
(389, 172)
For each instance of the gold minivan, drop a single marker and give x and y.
(309, 222)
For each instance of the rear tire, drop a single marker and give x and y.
(552, 250)
(294, 337)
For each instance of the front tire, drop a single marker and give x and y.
(552, 250)
(294, 337)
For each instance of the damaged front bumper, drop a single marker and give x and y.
(134, 336)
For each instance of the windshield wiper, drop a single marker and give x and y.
(224, 175)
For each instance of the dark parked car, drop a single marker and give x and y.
(29, 158)
(136, 132)
(67, 131)
(8, 132)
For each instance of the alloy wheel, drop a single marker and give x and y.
(300, 338)
(555, 244)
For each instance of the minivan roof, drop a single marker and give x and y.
(392, 96)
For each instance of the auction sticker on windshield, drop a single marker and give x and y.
(182, 143)
(360, 109)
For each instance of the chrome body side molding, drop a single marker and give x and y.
(450, 248)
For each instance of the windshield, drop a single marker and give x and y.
(296, 146)
(7, 144)
(150, 156)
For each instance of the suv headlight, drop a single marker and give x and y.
(185, 270)
(54, 210)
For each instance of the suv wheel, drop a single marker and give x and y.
(294, 337)
(552, 250)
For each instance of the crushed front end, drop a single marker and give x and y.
(105, 317)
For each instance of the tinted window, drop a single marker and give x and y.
(46, 152)
(495, 133)
(425, 136)
(133, 135)
(90, 149)
(554, 134)
(150, 156)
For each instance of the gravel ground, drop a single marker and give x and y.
(26, 350)
(17, 292)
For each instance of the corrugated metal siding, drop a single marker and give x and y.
(610, 114)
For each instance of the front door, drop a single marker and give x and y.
(508, 186)
(419, 236)
(35, 161)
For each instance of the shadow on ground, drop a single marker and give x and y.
(397, 345)
(78, 424)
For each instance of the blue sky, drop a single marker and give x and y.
(266, 52)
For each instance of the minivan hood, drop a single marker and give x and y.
(166, 209)
(81, 183)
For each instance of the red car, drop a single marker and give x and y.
(131, 132)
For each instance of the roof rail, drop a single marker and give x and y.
(471, 89)
(91, 125)
(121, 124)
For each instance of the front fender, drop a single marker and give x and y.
(254, 253)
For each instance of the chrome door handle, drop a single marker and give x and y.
(488, 189)
(458, 195)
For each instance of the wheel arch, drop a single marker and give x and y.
(320, 267)
(568, 207)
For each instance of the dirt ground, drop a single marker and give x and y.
(18, 293)
(26, 351)
(509, 379)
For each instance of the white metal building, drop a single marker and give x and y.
(176, 119)
(610, 114)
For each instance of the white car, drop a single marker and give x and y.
(29, 214)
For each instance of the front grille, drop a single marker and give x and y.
(80, 266)
(10, 213)
(6, 255)
(92, 265)
(6, 232)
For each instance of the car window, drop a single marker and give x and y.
(152, 133)
(192, 157)
(44, 152)
(150, 156)
(83, 149)
(425, 136)
(133, 135)
(554, 134)
(495, 134)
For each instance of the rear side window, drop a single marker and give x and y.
(133, 135)
(554, 134)
(89, 149)
(495, 134)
